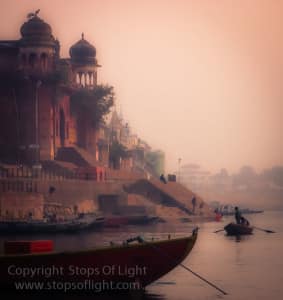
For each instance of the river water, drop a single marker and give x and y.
(246, 268)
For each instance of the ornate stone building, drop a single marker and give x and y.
(37, 123)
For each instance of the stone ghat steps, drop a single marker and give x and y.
(71, 154)
(77, 156)
(169, 194)
(58, 166)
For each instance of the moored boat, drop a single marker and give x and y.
(93, 220)
(126, 266)
(142, 220)
(52, 225)
(238, 229)
(42, 226)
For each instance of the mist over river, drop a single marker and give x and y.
(249, 267)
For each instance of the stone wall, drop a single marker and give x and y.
(82, 193)
(21, 206)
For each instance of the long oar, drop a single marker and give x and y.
(186, 268)
(265, 230)
(219, 230)
(200, 277)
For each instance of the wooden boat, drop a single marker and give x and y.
(129, 266)
(243, 211)
(142, 220)
(92, 219)
(117, 221)
(30, 226)
(238, 229)
(52, 225)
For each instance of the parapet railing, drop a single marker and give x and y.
(28, 186)
(25, 173)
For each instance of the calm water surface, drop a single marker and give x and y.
(249, 268)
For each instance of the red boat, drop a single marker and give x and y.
(218, 217)
(130, 266)
(115, 221)
(238, 229)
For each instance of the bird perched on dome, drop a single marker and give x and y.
(32, 15)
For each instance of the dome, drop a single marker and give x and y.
(36, 31)
(35, 26)
(83, 52)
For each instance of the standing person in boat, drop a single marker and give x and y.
(238, 215)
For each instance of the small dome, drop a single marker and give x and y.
(35, 30)
(83, 52)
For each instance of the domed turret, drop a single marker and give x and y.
(36, 31)
(83, 53)
(37, 46)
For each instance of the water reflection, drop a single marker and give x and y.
(125, 296)
(98, 296)
(239, 238)
(247, 267)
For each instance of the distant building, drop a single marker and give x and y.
(194, 176)
(139, 156)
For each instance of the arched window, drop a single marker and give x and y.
(87, 82)
(32, 60)
(83, 81)
(90, 76)
(57, 128)
(43, 61)
(67, 130)
(94, 78)
(23, 59)
(62, 127)
(77, 78)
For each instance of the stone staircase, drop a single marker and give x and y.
(171, 194)
(58, 166)
(77, 156)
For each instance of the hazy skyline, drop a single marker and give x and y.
(200, 80)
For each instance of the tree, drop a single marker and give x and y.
(274, 175)
(94, 102)
(246, 176)
(156, 160)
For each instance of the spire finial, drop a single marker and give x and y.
(83, 36)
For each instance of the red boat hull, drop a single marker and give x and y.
(140, 264)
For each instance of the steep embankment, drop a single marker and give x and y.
(170, 195)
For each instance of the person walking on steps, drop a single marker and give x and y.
(162, 178)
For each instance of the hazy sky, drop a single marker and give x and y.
(200, 79)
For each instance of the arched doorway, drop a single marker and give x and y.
(62, 128)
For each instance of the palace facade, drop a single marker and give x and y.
(36, 118)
